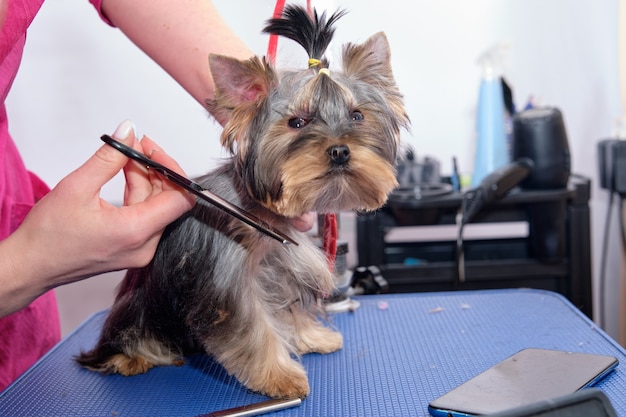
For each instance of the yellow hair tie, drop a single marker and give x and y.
(324, 71)
(314, 62)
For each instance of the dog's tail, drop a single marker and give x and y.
(126, 345)
(99, 358)
(131, 359)
(129, 352)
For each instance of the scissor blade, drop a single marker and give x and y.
(243, 215)
(200, 191)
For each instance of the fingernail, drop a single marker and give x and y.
(123, 130)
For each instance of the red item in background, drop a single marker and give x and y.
(329, 239)
(273, 42)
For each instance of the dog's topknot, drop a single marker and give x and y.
(314, 33)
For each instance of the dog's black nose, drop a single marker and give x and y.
(339, 154)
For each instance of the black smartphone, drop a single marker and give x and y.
(589, 402)
(524, 378)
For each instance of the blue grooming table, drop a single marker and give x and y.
(400, 351)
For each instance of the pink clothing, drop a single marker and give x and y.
(29, 333)
(98, 5)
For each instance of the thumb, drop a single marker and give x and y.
(108, 161)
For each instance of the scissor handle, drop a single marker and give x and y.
(198, 190)
(143, 159)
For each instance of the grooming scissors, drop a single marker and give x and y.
(198, 190)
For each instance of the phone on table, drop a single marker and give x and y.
(529, 376)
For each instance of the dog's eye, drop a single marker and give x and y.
(298, 122)
(357, 116)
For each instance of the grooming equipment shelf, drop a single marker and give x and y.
(555, 255)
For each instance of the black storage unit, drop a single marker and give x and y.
(556, 254)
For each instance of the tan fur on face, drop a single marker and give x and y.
(307, 186)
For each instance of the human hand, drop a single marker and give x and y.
(303, 223)
(72, 233)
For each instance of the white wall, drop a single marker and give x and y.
(80, 78)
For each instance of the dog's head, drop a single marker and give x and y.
(313, 139)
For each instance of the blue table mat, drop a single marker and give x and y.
(400, 352)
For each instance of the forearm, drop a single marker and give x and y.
(179, 36)
(49, 249)
(18, 275)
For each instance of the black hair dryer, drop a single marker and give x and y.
(539, 135)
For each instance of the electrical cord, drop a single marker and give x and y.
(605, 245)
(460, 254)
(471, 204)
(622, 226)
(622, 285)
(622, 207)
(492, 188)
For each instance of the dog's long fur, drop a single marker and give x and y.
(302, 140)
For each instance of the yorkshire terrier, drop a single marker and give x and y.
(311, 140)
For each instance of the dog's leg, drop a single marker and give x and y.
(259, 356)
(313, 336)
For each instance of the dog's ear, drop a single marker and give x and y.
(237, 83)
(369, 61)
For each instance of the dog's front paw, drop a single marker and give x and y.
(286, 381)
(318, 339)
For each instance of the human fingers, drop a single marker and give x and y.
(151, 216)
(149, 148)
(104, 164)
(152, 149)
(138, 185)
(165, 201)
(157, 154)
(303, 223)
